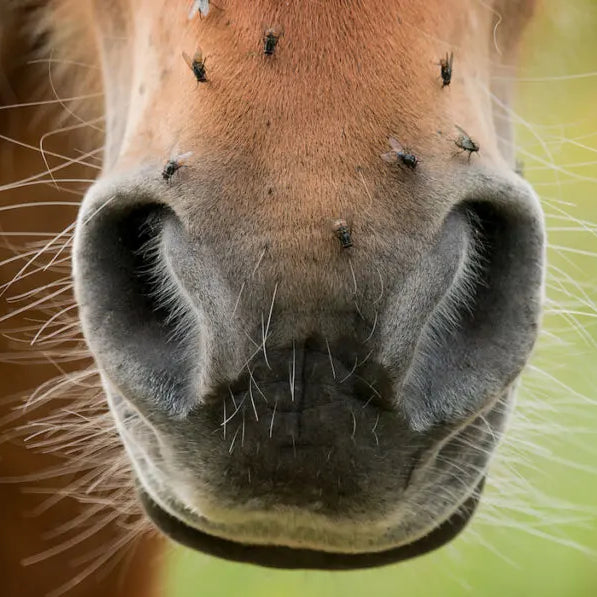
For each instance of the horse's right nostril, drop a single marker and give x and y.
(131, 311)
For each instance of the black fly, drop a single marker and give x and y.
(446, 68)
(342, 232)
(270, 40)
(400, 153)
(465, 143)
(197, 65)
(174, 164)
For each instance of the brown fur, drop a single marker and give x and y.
(28, 519)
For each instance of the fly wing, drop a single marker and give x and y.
(201, 6)
(451, 60)
(461, 131)
(183, 157)
(204, 7)
(344, 219)
(391, 157)
(396, 145)
(188, 60)
(194, 10)
(275, 29)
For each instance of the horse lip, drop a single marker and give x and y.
(274, 556)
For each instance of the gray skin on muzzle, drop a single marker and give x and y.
(297, 404)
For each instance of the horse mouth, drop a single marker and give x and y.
(276, 556)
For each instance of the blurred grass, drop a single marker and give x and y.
(519, 543)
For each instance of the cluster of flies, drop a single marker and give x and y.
(464, 142)
(400, 154)
(196, 63)
(397, 154)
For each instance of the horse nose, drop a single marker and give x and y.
(433, 332)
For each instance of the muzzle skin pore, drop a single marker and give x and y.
(286, 398)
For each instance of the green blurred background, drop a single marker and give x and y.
(536, 533)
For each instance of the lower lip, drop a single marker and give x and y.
(288, 558)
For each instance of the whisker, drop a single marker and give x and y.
(293, 371)
(265, 333)
(331, 359)
(271, 425)
(251, 398)
(354, 278)
(372, 329)
(231, 448)
(373, 430)
(259, 260)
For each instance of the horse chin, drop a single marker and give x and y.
(283, 557)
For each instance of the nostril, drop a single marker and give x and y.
(508, 274)
(131, 310)
(130, 278)
(462, 364)
(149, 278)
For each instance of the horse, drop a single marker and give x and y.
(309, 345)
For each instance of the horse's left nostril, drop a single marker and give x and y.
(466, 360)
